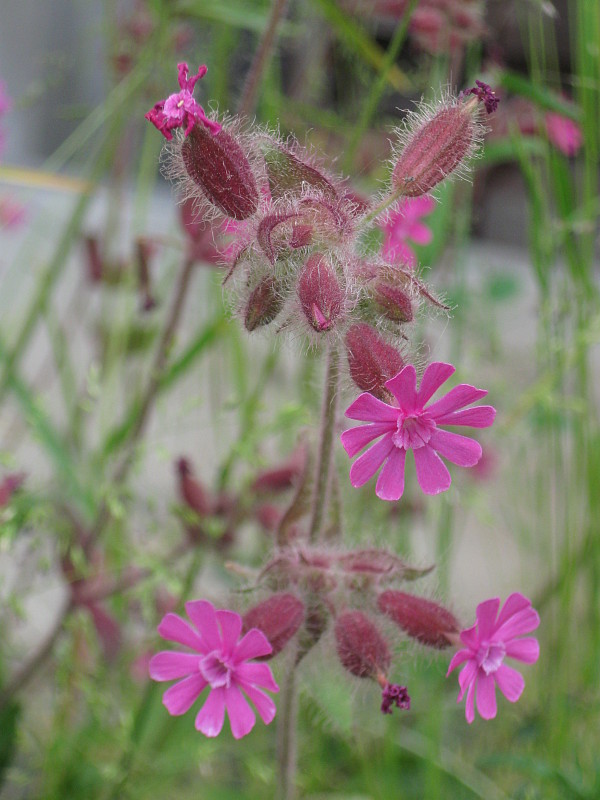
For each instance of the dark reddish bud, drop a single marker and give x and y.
(108, 630)
(94, 259)
(424, 620)
(191, 490)
(435, 150)
(320, 293)
(372, 361)
(264, 304)
(377, 563)
(218, 165)
(395, 303)
(394, 695)
(301, 236)
(360, 647)
(144, 252)
(269, 516)
(280, 478)
(279, 618)
(288, 174)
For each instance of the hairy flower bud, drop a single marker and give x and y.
(263, 305)
(372, 361)
(288, 174)
(217, 164)
(320, 293)
(279, 617)
(393, 302)
(423, 619)
(360, 646)
(435, 149)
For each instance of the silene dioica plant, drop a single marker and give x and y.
(300, 263)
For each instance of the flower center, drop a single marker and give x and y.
(490, 656)
(216, 670)
(414, 430)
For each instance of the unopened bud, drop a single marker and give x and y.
(191, 490)
(320, 293)
(264, 304)
(218, 165)
(424, 620)
(288, 174)
(372, 361)
(393, 302)
(435, 150)
(279, 617)
(360, 646)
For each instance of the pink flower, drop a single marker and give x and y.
(412, 426)
(564, 133)
(220, 661)
(486, 650)
(12, 213)
(405, 224)
(181, 110)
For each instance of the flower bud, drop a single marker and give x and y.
(191, 490)
(393, 302)
(372, 361)
(288, 174)
(217, 164)
(435, 149)
(279, 617)
(424, 620)
(320, 293)
(264, 305)
(360, 647)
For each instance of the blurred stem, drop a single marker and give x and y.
(328, 416)
(286, 737)
(261, 59)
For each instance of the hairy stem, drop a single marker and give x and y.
(323, 469)
(261, 59)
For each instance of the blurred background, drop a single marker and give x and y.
(119, 380)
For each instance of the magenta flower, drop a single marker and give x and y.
(488, 643)
(404, 225)
(220, 661)
(412, 426)
(564, 133)
(181, 110)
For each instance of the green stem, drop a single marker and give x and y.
(286, 738)
(385, 203)
(328, 416)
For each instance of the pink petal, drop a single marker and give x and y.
(460, 396)
(420, 233)
(253, 645)
(211, 716)
(355, 439)
(470, 704)
(458, 449)
(434, 376)
(204, 617)
(257, 675)
(477, 417)
(522, 622)
(486, 696)
(367, 465)
(458, 659)
(168, 665)
(180, 697)
(399, 252)
(510, 682)
(432, 474)
(390, 483)
(404, 388)
(264, 704)
(231, 627)
(515, 602)
(241, 716)
(470, 638)
(174, 629)
(486, 617)
(367, 408)
(526, 650)
(466, 677)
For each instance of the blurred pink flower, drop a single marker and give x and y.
(180, 110)
(488, 643)
(221, 661)
(412, 426)
(12, 213)
(9, 485)
(404, 225)
(564, 133)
